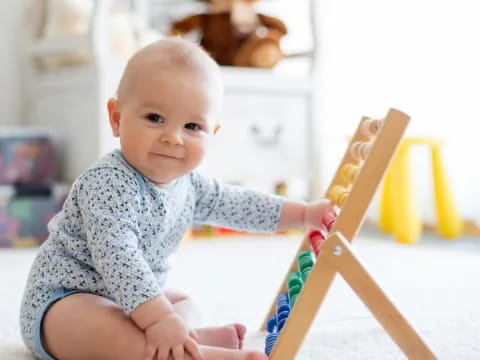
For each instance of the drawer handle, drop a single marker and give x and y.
(266, 139)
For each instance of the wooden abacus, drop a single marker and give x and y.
(352, 188)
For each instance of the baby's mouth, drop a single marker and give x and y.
(166, 155)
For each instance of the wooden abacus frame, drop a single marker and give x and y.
(336, 254)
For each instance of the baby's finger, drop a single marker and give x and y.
(162, 353)
(178, 352)
(150, 352)
(193, 334)
(193, 349)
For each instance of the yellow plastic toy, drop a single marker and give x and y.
(399, 210)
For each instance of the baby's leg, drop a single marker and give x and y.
(87, 326)
(229, 336)
(90, 327)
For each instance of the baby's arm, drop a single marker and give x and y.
(246, 209)
(165, 330)
(297, 214)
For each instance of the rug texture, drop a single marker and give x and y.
(435, 284)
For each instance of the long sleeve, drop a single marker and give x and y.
(109, 208)
(235, 207)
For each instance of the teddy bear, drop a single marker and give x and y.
(235, 34)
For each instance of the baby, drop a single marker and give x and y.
(96, 289)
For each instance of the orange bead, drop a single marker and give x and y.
(370, 127)
(360, 149)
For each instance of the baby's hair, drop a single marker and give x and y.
(172, 51)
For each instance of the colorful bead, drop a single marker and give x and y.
(350, 172)
(270, 341)
(305, 260)
(281, 322)
(294, 290)
(316, 238)
(360, 149)
(293, 300)
(282, 298)
(338, 195)
(293, 279)
(370, 126)
(281, 319)
(305, 273)
(272, 323)
(283, 307)
(329, 220)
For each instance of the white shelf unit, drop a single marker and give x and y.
(73, 102)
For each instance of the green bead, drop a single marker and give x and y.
(295, 290)
(305, 260)
(293, 279)
(304, 253)
(305, 273)
(293, 300)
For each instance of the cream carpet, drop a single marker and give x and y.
(435, 284)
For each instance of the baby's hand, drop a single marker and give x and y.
(316, 211)
(171, 336)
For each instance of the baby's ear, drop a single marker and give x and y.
(217, 127)
(114, 116)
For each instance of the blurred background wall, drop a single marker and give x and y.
(421, 57)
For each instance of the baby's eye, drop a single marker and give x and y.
(193, 126)
(154, 118)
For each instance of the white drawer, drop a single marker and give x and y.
(263, 141)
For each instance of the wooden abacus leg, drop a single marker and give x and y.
(336, 256)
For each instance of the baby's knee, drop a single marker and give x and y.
(128, 340)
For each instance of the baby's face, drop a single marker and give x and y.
(165, 122)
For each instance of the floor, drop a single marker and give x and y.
(435, 284)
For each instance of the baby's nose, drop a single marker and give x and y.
(171, 138)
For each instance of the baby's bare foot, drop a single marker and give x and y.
(215, 353)
(229, 336)
(241, 331)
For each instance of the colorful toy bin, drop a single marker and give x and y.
(27, 157)
(29, 193)
(24, 214)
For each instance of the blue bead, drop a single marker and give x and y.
(270, 342)
(272, 324)
(283, 307)
(281, 322)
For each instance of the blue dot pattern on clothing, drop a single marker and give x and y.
(117, 229)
